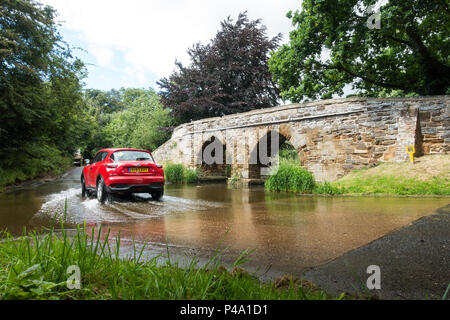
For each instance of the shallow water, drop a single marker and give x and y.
(290, 233)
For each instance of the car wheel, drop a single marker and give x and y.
(101, 190)
(157, 195)
(84, 192)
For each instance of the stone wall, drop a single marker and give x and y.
(434, 122)
(332, 137)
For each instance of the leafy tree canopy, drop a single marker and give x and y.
(128, 118)
(140, 124)
(332, 46)
(228, 75)
(40, 87)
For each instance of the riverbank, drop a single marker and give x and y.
(35, 266)
(427, 176)
(34, 171)
(51, 176)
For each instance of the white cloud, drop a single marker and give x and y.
(152, 34)
(103, 55)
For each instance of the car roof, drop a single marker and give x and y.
(122, 149)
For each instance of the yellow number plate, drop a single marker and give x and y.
(138, 169)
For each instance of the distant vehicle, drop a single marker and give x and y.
(122, 171)
(77, 159)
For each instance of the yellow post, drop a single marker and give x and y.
(411, 150)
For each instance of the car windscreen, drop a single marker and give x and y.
(130, 155)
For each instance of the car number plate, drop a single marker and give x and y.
(137, 169)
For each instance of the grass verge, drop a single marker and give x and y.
(393, 185)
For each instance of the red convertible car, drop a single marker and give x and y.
(122, 171)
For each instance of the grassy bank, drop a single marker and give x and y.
(45, 161)
(35, 267)
(429, 175)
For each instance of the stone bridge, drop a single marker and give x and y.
(331, 137)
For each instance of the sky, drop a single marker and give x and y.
(134, 43)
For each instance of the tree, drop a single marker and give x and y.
(125, 118)
(226, 76)
(332, 46)
(138, 126)
(40, 86)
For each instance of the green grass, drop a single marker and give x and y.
(177, 173)
(289, 155)
(394, 185)
(385, 185)
(327, 188)
(291, 177)
(191, 176)
(429, 175)
(34, 266)
(174, 173)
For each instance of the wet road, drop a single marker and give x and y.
(414, 262)
(290, 233)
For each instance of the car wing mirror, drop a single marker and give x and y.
(87, 161)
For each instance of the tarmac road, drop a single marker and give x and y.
(414, 262)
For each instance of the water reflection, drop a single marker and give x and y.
(288, 232)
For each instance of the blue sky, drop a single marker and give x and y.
(134, 43)
(108, 74)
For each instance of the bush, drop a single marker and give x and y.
(291, 177)
(174, 173)
(177, 173)
(191, 176)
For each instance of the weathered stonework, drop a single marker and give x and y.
(332, 137)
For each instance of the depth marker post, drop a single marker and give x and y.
(411, 150)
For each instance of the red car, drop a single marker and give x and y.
(122, 171)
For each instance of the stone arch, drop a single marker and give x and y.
(211, 159)
(260, 153)
(300, 142)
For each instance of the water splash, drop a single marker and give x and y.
(118, 210)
